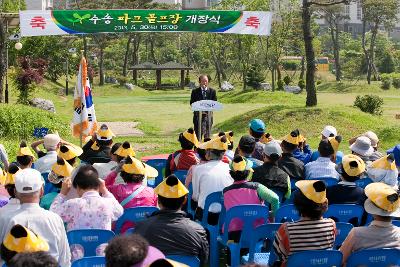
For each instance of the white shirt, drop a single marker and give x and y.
(208, 178)
(45, 163)
(104, 169)
(12, 205)
(46, 224)
(321, 167)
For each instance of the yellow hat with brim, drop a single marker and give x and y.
(62, 168)
(293, 137)
(335, 142)
(219, 143)
(104, 133)
(125, 150)
(26, 242)
(314, 190)
(167, 263)
(134, 166)
(25, 151)
(353, 165)
(68, 152)
(241, 164)
(171, 187)
(2, 177)
(382, 200)
(190, 135)
(385, 163)
(10, 175)
(266, 138)
(229, 135)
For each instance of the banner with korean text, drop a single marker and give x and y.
(59, 22)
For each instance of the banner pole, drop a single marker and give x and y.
(199, 122)
(83, 83)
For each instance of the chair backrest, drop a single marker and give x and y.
(262, 232)
(90, 262)
(248, 214)
(216, 197)
(181, 175)
(189, 200)
(396, 222)
(89, 239)
(287, 213)
(134, 215)
(343, 230)
(320, 258)
(344, 212)
(159, 165)
(363, 182)
(374, 257)
(329, 181)
(191, 261)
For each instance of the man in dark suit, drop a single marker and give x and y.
(203, 93)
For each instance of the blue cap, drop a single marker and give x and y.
(257, 125)
(396, 152)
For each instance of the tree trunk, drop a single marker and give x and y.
(152, 52)
(273, 78)
(279, 78)
(136, 45)
(335, 41)
(364, 47)
(2, 58)
(373, 68)
(101, 66)
(310, 56)
(128, 46)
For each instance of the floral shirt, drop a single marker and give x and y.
(91, 211)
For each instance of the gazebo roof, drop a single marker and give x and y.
(167, 66)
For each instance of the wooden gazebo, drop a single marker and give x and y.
(158, 68)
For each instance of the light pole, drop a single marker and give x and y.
(17, 46)
(72, 51)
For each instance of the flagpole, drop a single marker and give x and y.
(83, 83)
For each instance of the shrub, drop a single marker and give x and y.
(287, 80)
(396, 82)
(255, 76)
(291, 64)
(302, 84)
(122, 80)
(370, 104)
(386, 82)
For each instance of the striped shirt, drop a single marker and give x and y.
(304, 235)
(322, 167)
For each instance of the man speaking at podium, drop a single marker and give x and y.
(203, 93)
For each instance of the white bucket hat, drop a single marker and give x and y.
(362, 146)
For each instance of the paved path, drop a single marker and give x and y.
(124, 128)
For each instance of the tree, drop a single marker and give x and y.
(375, 14)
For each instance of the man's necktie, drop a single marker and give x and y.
(204, 93)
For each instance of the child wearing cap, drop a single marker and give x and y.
(97, 149)
(289, 164)
(169, 229)
(257, 129)
(383, 204)
(25, 156)
(328, 131)
(311, 232)
(186, 157)
(243, 192)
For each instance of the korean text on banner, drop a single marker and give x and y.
(84, 120)
(58, 22)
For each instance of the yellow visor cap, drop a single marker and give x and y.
(190, 135)
(125, 150)
(353, 165)
(314, 190)
(383, 196)
(62, 168)
(10, 175)
(104, 133)
(293, 137)
(335, 142)
(135, 166)
(240, 163)
(2, 177)
(171, 187)
(219, 143)
(68, 152)
(385, 163)
(266, 138)
(29, 242)
(25, 151)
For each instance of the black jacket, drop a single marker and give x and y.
(271, 176)
(292, 166)
(197, 95)
(172, 233)
(95, 156)
(345, 194)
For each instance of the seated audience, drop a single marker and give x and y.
(51, 143)
(169, 229)
(303, 151)
(9, 184)
(269, 174)
(19, 240)
(97, 149)
(33, 259)
(374, 143)
(70, 153)
(131, 251)
(246, 147)
(292, 166)
(257, 129)
(122, 152)
(242, 192)
(201, 154)
(104, 169)
(59, 171)
(25, 156)
(324, 166)
(48, 225)
(211, 177)
(3, 158)
(230, 154)
(266, 138)
(186, 157)
(328, 131)
(384, 170)
(346, 191)
(362, 148)
(383, 203)
(311, 232)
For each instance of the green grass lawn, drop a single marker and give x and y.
(163, 114)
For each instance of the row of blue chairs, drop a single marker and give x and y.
(330, 181)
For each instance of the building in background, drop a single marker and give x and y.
(38, 4)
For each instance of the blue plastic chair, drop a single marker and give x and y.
(396, 223)
(343, 230)
(248, 214)
(181, 175)
(329, 181)
(191, 261)
(190, 210)
(90, 262)
(216, 197)
(134, 215)
(262, 232)
(287, 213)
(320, 258)
(159, 165)
(48, 187)
(89, 239)
(344, 212)
(374, 257)
(290, 199)
(292, 184)
(363, 182)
